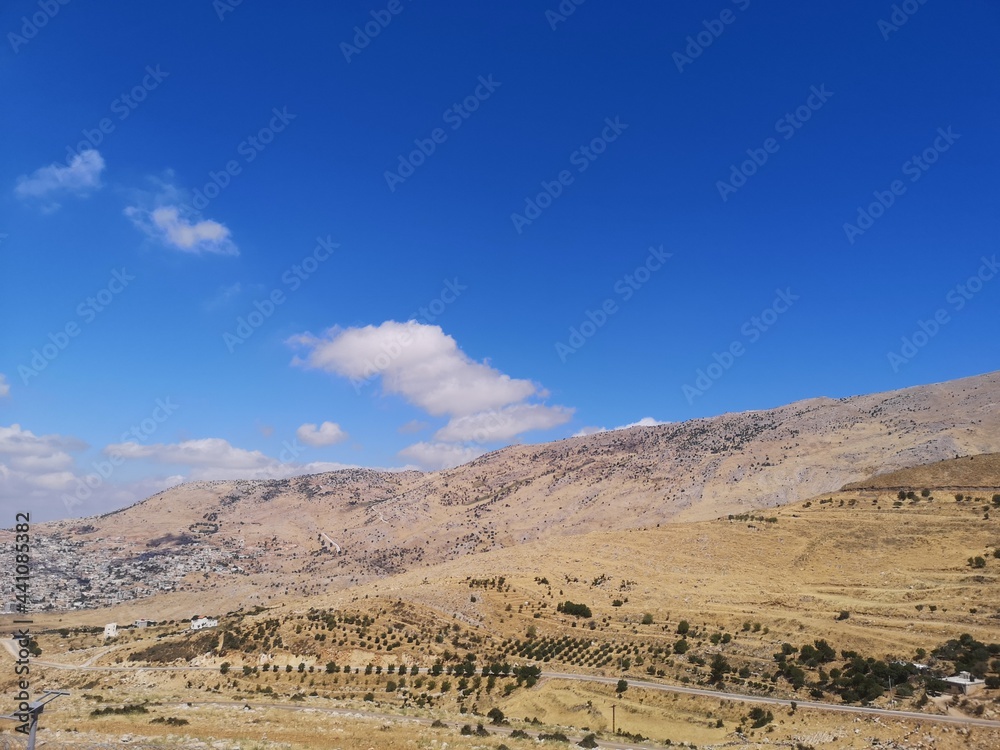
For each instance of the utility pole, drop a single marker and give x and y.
(613, 731)
(35, 709)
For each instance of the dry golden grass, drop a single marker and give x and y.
(977, 472)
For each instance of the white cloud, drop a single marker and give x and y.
(4, 386)
(17, 444)
(644, 422)
(434, 456)
(417, 361)
(503, 424)
(189, 234)
(166, 216)
(327, 433)
(425, 366)
(215, 458)
(34, 470)
(80, 176)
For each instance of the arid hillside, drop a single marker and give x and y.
(825, 602)
(255, 541)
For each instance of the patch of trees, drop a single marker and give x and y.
(970, 655)
(168, 651)
(577, 610)
(527, 675)
(751, 517)
(759, 717)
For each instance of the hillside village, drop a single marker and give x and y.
(70, 575)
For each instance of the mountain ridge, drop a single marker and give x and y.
(262, 538)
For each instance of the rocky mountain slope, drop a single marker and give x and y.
(252, 541)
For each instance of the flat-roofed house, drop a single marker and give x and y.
(964, 683)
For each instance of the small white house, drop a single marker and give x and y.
(111, 630)
(142, 623)
(200, 623)
(964, 683)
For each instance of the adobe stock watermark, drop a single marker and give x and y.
(426, 314)
(87, 311)
(956, 298)
(702, 40)
(751, 330)
(163, 409)
(122, 106)
(455, 116)
(901, 13)
(224, 7)
(363, 35)
(249, 148)
(292, 279)
(624, 289)
(31, 25)
(290, 451)
(562, 12)
(915, 167)
(581, 158)
(787, 126)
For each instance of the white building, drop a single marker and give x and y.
(964, 683)
(200, 623)
(111, 630)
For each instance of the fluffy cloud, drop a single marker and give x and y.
(503, 424)
(189, 234)
(215, 458)
(327, 433)
(38, 473)
(34, 469)
(4, 386)
(436, 456)
(426, 367)
(166, 216)
(419, 362)
(80, 176)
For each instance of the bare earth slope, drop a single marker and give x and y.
(970, 473)
(254, 541)
(697, 617)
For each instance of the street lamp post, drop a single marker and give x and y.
(35, 709)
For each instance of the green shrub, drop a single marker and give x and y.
(577, 610)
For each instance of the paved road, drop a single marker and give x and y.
(663, 687)
(835, 707)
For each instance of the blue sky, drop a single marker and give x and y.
(249, 240)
